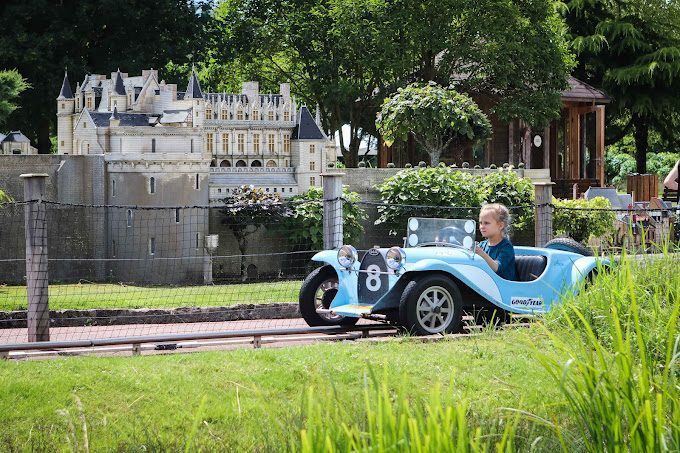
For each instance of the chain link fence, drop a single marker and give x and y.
(123, 271)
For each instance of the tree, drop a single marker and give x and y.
(306, 221)
(11, 86)
(348, 55)
(632, 50)
(247, 209)
(42, 37)
(437, 117)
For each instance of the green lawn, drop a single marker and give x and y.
(248, 399)
(89, 295)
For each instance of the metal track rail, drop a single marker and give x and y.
(256, 335)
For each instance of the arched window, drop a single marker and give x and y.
(241, 163)
(152, 185)
(225, 163)
(213, 163)
(256, 163)
(271, 163)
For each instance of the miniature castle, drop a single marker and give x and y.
(164, 147)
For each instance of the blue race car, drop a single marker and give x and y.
(427, 285)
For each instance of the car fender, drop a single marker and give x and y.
(584, 266)
(471, 275)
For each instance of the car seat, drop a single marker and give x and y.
(529, 267)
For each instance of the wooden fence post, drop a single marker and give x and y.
(35, 222)
(332, 210)
(544, 214)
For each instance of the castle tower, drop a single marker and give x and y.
(65, 114)
(118, 95)
(195, 95)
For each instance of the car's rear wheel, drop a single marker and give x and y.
(568, 245)
(317, 292)
(430, 305)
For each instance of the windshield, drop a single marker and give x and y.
(456, 232)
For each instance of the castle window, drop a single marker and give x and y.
(256, 115)
(209, 142)
(312, 181)
(88, 148)
(176, 215)
(152, 185)
(63, 106)
(208, 113)
(241, 143)
(256, 143)
(153, 145)
(197, 185)
(312, 166)
(312, 149)
(89, 102)
(286, 116)
(113, 187)
(198, 240)
(286, 143)
(290, 190)
(223, 114)
(286, 163)
(115, 103)
(84, 125)
(225, 143)
(270, 115)
(62, 143)
(129, 218)
(256, 163)
(152, 246)
(270, 143)
(192, 145)
(274, 189)
(239, 114)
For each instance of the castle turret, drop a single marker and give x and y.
(114, 119)
(195, 95)
(118, 95)
(65, 111)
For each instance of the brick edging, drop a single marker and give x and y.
(113, 317)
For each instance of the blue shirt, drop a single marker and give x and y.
(504, 254)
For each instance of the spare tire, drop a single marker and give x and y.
(568, 245)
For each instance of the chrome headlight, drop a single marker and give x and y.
(395, 258)
(347, 255)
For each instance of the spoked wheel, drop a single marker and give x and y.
(317, 292)
(431, 305)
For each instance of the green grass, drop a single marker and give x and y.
(600, 374)
(256, 399)
(91, 295)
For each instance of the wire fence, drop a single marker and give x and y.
(117, 271)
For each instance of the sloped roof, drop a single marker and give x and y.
(118, 86)
(15, 137)
(193, 88)
(65, 92)
(580, 91)
(175, 116)
(306, 128)
(101, 119)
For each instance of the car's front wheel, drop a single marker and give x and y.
(317, 292)
(431, 304)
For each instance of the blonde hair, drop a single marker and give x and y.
(501, 214)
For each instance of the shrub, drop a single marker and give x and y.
(617, 165)
(509, 189)
(436, 189)
(581, 219)
(306, 222)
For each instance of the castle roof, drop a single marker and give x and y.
(102, 119)
(193, 88)
(114, 115)
(119, 87)
(65, 92)
(306, 128)
(15, 137)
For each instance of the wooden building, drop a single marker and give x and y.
(572, 146)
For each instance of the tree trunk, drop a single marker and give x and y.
(641, 142)
(434, 157)
(44, 144)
